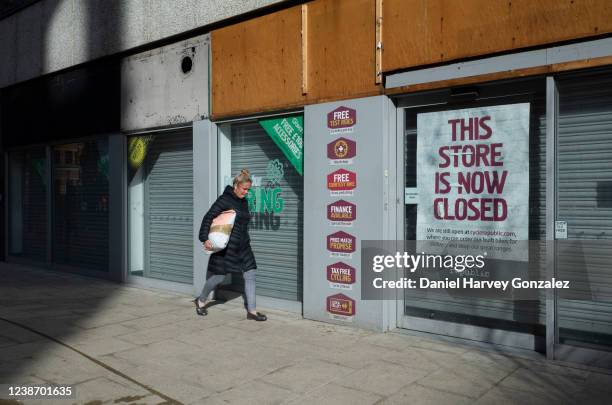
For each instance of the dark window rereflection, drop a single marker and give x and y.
(80, 194)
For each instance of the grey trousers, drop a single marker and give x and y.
(249, 288)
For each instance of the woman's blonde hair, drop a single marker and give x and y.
(243, 177)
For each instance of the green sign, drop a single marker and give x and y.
(288, 134)
(262, 199)
(268, 199)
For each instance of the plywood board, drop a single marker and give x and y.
(425, 32)
(342, 40)
(257, 64)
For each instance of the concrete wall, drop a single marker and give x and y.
(157, 90)
(55, 34)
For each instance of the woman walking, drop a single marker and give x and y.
(237, 257)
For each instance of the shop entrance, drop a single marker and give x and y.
(583, 217)
(276, 203)
(516, 323)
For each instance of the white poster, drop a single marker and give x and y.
(473, 174)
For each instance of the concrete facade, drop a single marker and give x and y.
(165, 86)
(51, 35)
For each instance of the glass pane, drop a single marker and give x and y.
(80, 204)
(526, 316)
(160, 199)
(27, 180)
(584, 156)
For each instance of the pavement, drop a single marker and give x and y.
(116, 344)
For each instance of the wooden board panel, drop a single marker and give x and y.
(256, 64)
(342, 49)
(424, 32)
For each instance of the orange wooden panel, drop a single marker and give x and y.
(341, 49)
(544, 21)
(423, 32)
(256, 64)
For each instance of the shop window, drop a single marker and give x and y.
(525, 316)
(80, 205)
(27, 184)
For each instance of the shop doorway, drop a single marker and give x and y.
(160, 207)
(583, 217)
(276, 204)
(505, 322)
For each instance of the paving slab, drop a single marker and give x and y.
(306, 375)
(337, 394)
(415, 394)
(505, 396)
(556, 387)
(145, 342)
(467, 380)
(382, 378)
(171, 382)
(254, 392)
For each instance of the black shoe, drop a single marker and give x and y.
(200, 310)
(258, 317)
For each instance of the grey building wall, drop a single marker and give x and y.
(51, 35)
(204, 192)
(374, 197)
(157, 90)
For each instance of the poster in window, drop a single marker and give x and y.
(473, 175)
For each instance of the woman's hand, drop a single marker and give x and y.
(208, 245)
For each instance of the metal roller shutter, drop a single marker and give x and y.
(33, 202)
(276, 238)
(169, 208)
(502, 313)
(584, 156)
(80, 192)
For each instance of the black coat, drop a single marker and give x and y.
(238, 256)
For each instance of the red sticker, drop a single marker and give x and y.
(341, 148)
(342, 211)
(341, 273)
(340, 304)
(341, 180)
(341, 242)
(341, 117)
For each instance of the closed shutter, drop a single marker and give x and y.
(276, 238)
(30, 206)
(584, 157)
(80, 193)
(503, 314)
(169, 208)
